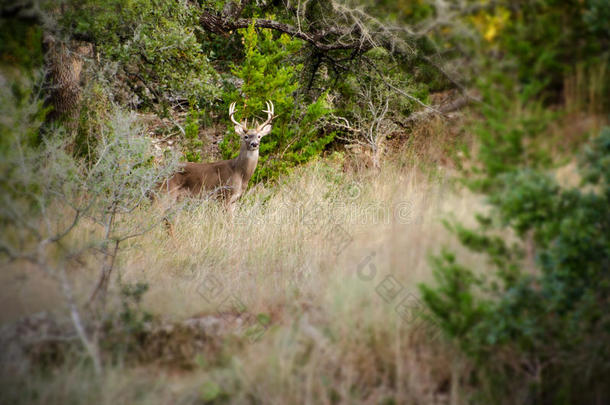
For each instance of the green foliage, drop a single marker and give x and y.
(406, 9)
(23, 114)
(210, 391)
(50, 198)
(193, 143)
(40, 175)
(597, 18)
(369, 84)
(543, 40)
(124, 329)
(21, 158)
(155, 43)
(456, 309)
(269, 73)
(20, 44)
(132, 317)
(510, 130)
(536, 332)
(93, 119)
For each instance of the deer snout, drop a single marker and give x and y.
(254, 144)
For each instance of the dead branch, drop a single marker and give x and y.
(224, 25)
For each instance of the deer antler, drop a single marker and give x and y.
(269, 112)
(231, 113)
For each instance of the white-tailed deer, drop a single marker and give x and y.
(226, 178)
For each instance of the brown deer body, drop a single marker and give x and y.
(227, 178)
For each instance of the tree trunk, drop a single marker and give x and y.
(64, 66)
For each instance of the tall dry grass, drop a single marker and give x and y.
(290, 241)
(330, 261)
(317, 255)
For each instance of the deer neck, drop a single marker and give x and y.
(246, 162)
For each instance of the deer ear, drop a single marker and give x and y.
(266, 129)
(239, 130)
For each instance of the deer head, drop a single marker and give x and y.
(252, 137)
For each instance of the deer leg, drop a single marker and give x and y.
(230, 204)
(169, 227)
(173, 195)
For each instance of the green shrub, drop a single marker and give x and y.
(192, 145)
(542, 41)
(155, 43)
(538, 337)
(510, 129)
(269, 73)
(49, 198)
(20, 43)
